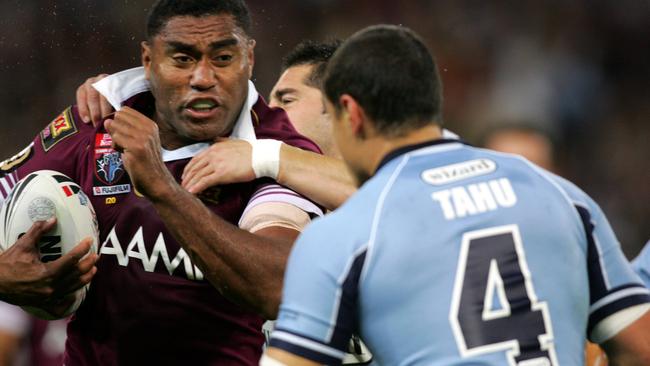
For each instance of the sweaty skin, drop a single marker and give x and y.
(199, 70)
(229, 161)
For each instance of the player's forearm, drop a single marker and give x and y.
(322, 179)
(246, 268)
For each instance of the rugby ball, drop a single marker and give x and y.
(40, 196)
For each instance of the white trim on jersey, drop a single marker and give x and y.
(123, 85)
(308, 344)
(6, 185)
(617, 296)
(339, 292)
(185, 152)
(613, 324)
(278, 193)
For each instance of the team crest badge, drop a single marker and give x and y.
(109, 168)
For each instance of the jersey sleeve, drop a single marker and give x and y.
(58, 146)
(319, 306)
(613, 286)
(641, 264)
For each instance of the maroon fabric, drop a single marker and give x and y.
(43, 352)
(132, 316)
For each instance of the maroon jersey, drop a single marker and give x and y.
(148, 304)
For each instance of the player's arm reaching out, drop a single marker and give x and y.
(26, 281)
(229, 161)
(246, 268)
(322, 179)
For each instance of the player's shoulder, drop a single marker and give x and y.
(522, 168)
(273, 123)
(65, 129)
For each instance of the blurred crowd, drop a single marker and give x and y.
(578, 71)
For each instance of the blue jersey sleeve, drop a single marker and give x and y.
(613, 285)
(641, 264)
(319, 305)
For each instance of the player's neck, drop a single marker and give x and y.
(384, 146)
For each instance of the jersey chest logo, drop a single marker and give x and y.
(110, 178)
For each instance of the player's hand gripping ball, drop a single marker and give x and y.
(40, 196)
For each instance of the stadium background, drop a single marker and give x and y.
(579, 70)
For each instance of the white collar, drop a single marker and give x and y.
(118, 88)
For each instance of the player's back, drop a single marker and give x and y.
(452, 255)
(478, 257)
(477, 254)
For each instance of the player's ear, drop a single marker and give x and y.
(145, 50)
(356, 116)
(251, 56)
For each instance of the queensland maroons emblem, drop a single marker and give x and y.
(110, 167)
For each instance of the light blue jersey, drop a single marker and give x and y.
(641, 264)
(453, 255)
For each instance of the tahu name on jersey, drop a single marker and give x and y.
(136, 249)
(475, 199)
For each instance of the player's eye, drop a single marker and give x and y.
(287, 100)
(223, 59)
(182, 59)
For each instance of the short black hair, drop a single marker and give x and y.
(312, 53)
(163, 10)
(390, 72)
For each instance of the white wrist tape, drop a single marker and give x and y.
(266, 158)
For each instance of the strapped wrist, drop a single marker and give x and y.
(266, 158)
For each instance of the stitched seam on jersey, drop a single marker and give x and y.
(544, 175)
(339, 291)
(573, 203)
(617, 296)
(378, 208)
(598, 247)
(307, 343)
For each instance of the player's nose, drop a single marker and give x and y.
(203, 77)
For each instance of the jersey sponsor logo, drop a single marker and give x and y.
(61, 128)
(457, 172)
(136, 250)
(111, 190)
(474, 199)
(17, 160)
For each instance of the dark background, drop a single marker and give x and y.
(579, 70)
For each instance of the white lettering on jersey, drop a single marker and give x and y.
(137, 250)
(456, 172)
(476, 198)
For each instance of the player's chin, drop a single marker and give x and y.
(203, 130)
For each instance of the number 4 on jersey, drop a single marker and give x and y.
(492, 265)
